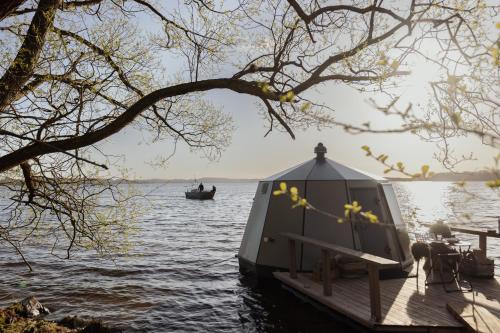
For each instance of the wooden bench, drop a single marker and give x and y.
(374, 263)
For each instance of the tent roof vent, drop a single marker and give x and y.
(320, 151)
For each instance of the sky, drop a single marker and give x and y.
(251, 155)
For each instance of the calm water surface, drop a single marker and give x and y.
(168, 282)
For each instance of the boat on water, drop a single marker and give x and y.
(199, 195)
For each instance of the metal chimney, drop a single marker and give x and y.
(320, 151)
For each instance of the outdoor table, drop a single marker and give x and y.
(462, 247)
(452, 260)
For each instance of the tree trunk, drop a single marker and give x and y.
(8, 6)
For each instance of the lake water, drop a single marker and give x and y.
(168, 282)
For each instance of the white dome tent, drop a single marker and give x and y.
(327, 185)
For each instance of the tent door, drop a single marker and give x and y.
(374, 238)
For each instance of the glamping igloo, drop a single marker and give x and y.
(327, 185)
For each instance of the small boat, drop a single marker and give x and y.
(197, 195)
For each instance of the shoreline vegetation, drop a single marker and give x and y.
(443, 176)
(25, 317)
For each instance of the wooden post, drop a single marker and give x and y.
(293, 258)
(327, 279)
(375, 307)
(482, 243)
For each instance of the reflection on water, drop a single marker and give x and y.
(475, 205)
(168, 282)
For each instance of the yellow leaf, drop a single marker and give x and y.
(305, 107)
(367, 149)
(283, 186)
(456, 118)
(288, 97)
(278, 192)
(425, 169)
(370, 216)
(382, 60)
(264, 87)
(493, 183)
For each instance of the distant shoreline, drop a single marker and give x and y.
(451, 177)
(439, 177)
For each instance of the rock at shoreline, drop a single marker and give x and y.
(33, 308)
(22, 317)
(86, 326)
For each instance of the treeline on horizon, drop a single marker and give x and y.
(443, 176)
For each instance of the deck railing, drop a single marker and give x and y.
(483, 234)
(374, 263)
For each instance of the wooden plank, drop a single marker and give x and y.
(293, 258)
(375, 307)
(314, 290)
(475, 231)
(404, 307)
(476, 318)
(387, 263)
(482, 244)
(469, 230)
(327, 279)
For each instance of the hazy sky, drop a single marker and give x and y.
(250, 155)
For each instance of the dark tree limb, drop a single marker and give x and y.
(40, 148)
(22, 68)
(8, 7)
(26, 168)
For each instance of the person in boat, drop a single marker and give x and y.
(214, 189)
(200, 187)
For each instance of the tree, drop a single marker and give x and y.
(77, 72)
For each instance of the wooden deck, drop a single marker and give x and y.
(407, 304)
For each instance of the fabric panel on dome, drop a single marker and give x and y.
(352, 174)
(322, 170)
(299, 172)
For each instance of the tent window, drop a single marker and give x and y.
(392, 202)
(263, 188)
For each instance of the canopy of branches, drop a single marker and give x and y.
(75, 72)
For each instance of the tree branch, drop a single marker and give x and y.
(40, 148)
(23, 65)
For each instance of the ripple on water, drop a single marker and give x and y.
(168, 281)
